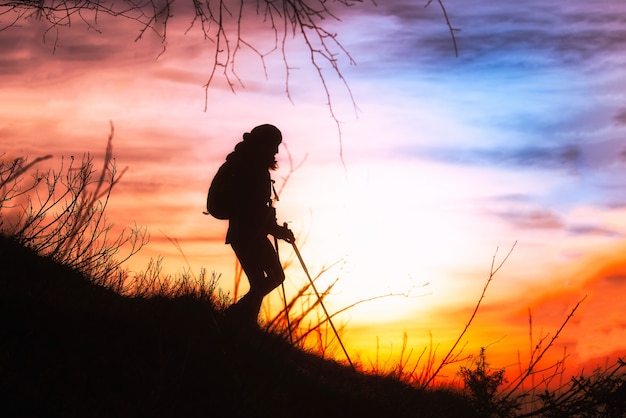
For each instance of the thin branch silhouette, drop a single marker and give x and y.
(450, 356)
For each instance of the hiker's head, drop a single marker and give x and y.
(262, 142)
(264, 137)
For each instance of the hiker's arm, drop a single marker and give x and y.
(283, 232)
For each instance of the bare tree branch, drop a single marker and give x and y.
(222, 23)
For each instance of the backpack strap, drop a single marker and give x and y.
(272, 182)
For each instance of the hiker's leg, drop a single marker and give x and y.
(246, 310)
(260, 262)
(261, 265)
(248, 255)
(271, 266)
(248, 307)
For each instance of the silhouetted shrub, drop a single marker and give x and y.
(61, 214)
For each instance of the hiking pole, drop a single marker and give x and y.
(306, 271)
(282, 285)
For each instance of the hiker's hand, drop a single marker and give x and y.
(284, 233)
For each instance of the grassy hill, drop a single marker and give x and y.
(69, 348)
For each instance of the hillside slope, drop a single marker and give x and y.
(73, 349)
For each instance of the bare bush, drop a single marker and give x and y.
(61, 214)
(482, 386)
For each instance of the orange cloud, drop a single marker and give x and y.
(597, 328)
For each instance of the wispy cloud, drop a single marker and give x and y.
(525, 34)
(530, 157)
(537, 219)
(595, 230)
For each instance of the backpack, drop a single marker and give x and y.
(220, 199)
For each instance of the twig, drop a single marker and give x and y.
(516, 383)
(448, 356)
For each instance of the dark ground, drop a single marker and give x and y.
(69, 348)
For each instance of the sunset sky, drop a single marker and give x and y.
(447, 161)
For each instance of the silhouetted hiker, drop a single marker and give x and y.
(253, 218)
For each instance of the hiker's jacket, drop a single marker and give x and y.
(253, 217)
